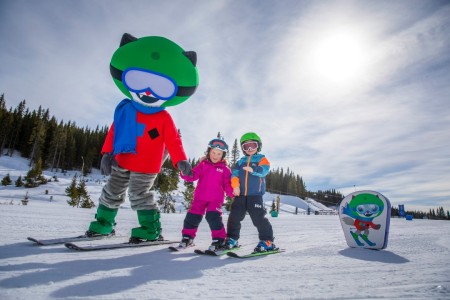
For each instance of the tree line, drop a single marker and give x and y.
(41, 138)
(438, 214)
(61, 146)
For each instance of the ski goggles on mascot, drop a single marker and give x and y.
(140, 80)
(250, 145)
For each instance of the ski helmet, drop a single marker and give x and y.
(251, 136)
(217, 144)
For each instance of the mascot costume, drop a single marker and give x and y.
(153, 73)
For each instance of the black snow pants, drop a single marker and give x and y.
(255, 207)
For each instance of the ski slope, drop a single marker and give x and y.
(317, 263)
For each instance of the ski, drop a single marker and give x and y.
(177, 248)
(255, 254)
(215, 253)
(56, 241)
(74, 246)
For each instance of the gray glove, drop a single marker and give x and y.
(185, 167)
(108, 161)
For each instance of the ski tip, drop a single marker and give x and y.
(212, 253)
(173, 249)
(198, 251)
(33, 240)
(71, 246)
(232, 254)
(37, 242)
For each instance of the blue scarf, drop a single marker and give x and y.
(126, 127)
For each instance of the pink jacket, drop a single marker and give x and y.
(213, 181)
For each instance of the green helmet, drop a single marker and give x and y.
(251, 136)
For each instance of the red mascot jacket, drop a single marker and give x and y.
(160, 132)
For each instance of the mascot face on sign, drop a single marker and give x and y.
(366, 206)
(154, 71)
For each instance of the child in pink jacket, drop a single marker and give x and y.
(214, 180)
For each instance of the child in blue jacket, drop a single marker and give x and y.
(249, 186)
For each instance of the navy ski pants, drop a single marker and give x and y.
(255, 207)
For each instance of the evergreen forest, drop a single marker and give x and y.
(60, 146)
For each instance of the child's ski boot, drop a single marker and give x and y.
(231, 243)
(217, 245)
(264, 246)
(186, 242)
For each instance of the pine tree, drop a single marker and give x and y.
(188, 194)
(17, 119)
(34, 176)
(6, 180)
(19, 181)
(72, 193)
(167, 182)
(84, 200)
(235, 153)
(6, 121)
(57, 146)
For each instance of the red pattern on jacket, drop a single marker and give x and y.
(159, 133)
(363, 225)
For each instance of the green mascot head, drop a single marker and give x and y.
(154, 71)
(366, 206)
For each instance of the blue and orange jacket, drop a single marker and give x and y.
(254, 183)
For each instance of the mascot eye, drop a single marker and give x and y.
(373, 208)
(360, 208)
(140, 80)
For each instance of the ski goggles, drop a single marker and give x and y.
(159, 85)
(249, 146)
(218, 144)
(143, 85)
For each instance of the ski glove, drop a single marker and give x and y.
(108, 161)
(185, 167)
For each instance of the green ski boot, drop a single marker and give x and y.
(104, 224)
(150, 229)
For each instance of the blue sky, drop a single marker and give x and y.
(347, 94)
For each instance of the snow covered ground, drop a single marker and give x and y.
(317, 263)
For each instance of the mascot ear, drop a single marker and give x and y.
(192, 56)
(127, 38)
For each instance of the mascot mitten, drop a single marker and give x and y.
(185, 168)
(153, 73)
(104, 223)
(108, 161)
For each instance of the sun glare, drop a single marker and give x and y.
(338, 57)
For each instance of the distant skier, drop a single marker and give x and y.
(214, 180)
(248, 182)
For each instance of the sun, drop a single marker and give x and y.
(339, 57)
